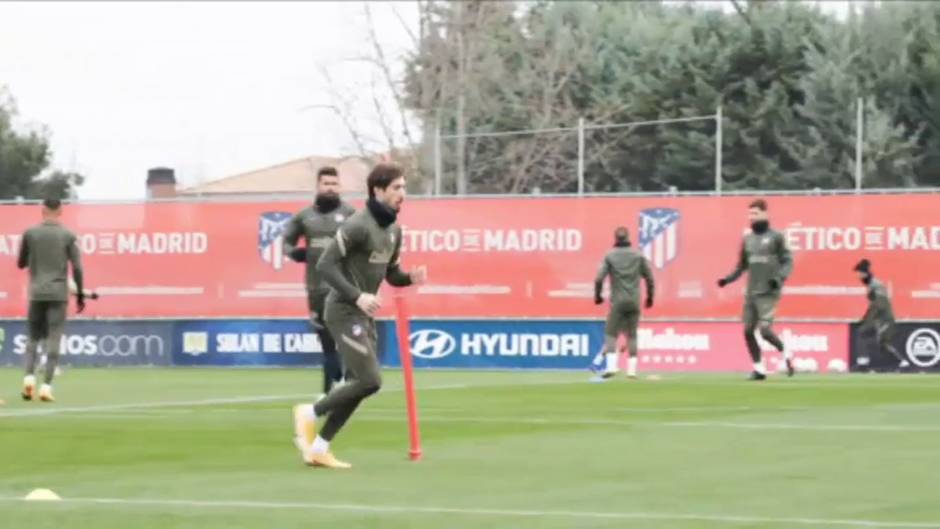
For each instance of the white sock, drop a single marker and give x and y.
(613, 361)
(787, 353)
(759, 367)
(631, 366)
(29, 380)
(45, 387)
(320, 446)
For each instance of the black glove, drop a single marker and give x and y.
(298, 255)
(93, 295)
(80, 302)
(774, 284)
(722, 282)
(598, 299)
(649, 302)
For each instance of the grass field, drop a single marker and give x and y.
(147, 449)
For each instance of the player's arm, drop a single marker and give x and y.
(330, 266)
(291, 236)
(22, 260)
(647, 274)
(602, 272)
(78, 273)
(785, 258)
(738, 270)
(394, 274)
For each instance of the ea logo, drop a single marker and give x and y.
(923, 347)
(432, 344)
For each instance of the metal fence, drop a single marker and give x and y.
(456, 156)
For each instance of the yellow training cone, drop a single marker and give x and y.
(42, 495)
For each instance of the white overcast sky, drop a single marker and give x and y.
(210, 89)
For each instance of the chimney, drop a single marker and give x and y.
(161, 183)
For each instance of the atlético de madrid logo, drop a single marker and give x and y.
(659, 235)
(271, 226)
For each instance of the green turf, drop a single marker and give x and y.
(503, 450)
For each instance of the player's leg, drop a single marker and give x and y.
(36, 323)
(751, 319)
(885, 334)
(767, 310)
(612, 329)
(357, 342)
(55, 322)
(632, 321)
(332, 366)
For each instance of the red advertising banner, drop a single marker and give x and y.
(491, 257)
(719, 347)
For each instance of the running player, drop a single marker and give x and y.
(317, 224)
(625, 266)
(47, 249)
(879, 317)
(766, 258)
(364, 253)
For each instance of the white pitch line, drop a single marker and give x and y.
(794, 426)
(151, 405)
(372, 416)
(236, 400)
(506, 513)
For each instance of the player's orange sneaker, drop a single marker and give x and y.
(45, 394)
(29, 388)
(305, 427)
(326, 460)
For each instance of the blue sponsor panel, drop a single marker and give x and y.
(246, 343)
(97, 343)
(501, 344)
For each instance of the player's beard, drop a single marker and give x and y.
(866, 278)
(327, 202)
(760, 226)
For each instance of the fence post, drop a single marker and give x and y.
(438, 159)
(718, 142)
(859, 132)
(580, 156)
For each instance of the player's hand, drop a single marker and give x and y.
(93, 295)
(419, 275)
(722, 282)
(80, 302)
(369, 303)
(649, 302)
(598, 299)
(298, 255)
(774, 284)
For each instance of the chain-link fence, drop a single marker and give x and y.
(706, 153)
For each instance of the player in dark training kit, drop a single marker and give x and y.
(47, 249)
(625, 267)
(317, 224)
(766, 259)
(364, 252)
(879, 318)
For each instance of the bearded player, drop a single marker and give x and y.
(317, 224)
(766, 258)
(364, 252)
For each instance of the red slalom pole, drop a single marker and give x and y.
(404, 350)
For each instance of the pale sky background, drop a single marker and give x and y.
(210, 89)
